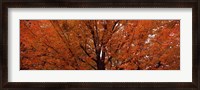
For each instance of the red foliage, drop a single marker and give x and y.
(100, 44)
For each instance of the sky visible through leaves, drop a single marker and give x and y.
(100, 44)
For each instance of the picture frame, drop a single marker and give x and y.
(194, 4)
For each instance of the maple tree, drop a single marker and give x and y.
(100, 44)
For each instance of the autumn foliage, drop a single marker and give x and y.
(99, 44)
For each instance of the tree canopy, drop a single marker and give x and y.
(100, 44)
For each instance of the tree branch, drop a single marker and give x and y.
(87, 63)
(87, 52)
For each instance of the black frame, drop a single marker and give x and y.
(194, 4)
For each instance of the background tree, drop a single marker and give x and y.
(100, 44)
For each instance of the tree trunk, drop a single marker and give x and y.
(100, 60)
(100, 65)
